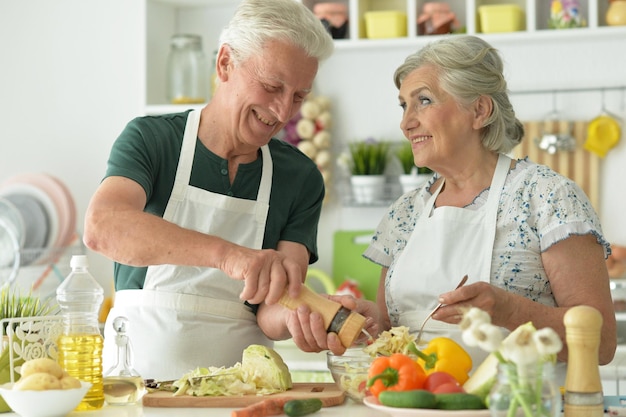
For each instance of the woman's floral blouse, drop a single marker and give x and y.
(538, 208)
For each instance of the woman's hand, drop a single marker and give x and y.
(479, 294)
(578, 276)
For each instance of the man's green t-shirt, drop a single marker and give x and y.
(148, 149)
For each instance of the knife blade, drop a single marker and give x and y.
(168, 385)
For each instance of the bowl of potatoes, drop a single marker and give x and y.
(44, 390)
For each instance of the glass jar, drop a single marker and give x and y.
(214, 79)
(187, 71)
(525, 390)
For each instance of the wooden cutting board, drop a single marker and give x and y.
(579, 165)
(329, 393)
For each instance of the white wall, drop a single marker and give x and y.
(69, 81)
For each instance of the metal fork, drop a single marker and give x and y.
(421, 330)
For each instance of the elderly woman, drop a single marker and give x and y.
(527, 237)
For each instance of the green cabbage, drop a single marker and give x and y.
(263, 367)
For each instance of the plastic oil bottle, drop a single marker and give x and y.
(80, 344)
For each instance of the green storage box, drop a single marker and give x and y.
(348, 262)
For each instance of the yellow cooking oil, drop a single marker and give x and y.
(81, 356)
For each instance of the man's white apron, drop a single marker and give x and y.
(185, 316)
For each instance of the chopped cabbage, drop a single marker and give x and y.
(354, 379)
(395, 340)
(262, 371)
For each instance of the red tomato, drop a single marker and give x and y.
(363, 388)
(448, 387)
(435, 379)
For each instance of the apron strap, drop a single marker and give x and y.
(184, 302)
(265, 187)
(185, 162)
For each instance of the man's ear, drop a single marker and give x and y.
(482, 107)
(224, 62)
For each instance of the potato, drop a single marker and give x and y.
(42, 365)
(39, 381)
(69, 382)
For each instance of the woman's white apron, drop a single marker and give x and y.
(186, 316)
(451, 242)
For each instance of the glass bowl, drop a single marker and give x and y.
(349, 371)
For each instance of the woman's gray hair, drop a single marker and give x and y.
(258, 21)
(469, 68)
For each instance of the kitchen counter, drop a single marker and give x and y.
(348, 409)
(613, 374)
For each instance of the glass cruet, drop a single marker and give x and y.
(122, 383)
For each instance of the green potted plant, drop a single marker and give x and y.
(367, 163)
(369, 157)
(413, 176)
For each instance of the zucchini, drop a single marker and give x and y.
(297, 408)
(459, 401)
(417, 398)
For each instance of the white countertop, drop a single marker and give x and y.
(348, 409)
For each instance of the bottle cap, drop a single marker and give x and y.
(79, 261)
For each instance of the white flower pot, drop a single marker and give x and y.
(367, 189)
(411, 182)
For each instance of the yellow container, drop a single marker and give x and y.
(501, 18)
(385, 24)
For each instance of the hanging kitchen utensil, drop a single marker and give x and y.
(603, 132)
(550, 141)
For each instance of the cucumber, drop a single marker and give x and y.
(417, 398)
(297, 408)
(459, 401)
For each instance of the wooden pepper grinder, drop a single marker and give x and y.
(347, 324)
(583, 388)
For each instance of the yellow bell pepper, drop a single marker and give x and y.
(444, 354)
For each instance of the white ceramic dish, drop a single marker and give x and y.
(65, 203)
(10, 247)
(45, 200)
(13, 219)
(61, 198)
(372, 402)
(35, 220)
(50, 403)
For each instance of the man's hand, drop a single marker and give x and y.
(266, 273)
